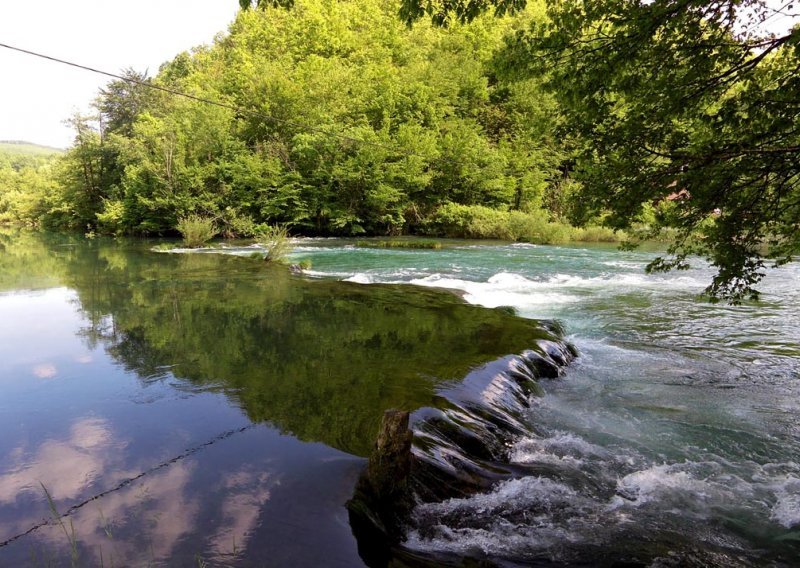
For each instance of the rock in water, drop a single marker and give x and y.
(390, 463)
(382, 500)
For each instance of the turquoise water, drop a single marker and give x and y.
(678, 423)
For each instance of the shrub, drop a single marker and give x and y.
(110, 219)
(476, 221)
(473, 221)
(528, 227)
(235, 224)
(196, 230)
(597, 234)
(275, 240)
(487, 223)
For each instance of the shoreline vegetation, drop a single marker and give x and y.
(338, 119)
(458, 222)
(409, 148)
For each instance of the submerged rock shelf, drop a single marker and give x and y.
(450, 469)
(456, 448)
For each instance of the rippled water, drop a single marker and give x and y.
(676, 429)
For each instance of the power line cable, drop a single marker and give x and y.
(236, 109)
(57, 517)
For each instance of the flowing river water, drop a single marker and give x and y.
(678, 424)
(198, 409)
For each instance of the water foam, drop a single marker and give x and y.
(320, 274)
(786, 510)
(517, 290)
(502, 289)
(540, 493)
(360, 278)
(563, 448)
(519, 516)
(627, 264)
(673, 481)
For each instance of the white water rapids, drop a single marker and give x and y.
(677, 426)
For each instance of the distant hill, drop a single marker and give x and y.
(19, 147)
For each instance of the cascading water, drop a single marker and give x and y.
(673, 440)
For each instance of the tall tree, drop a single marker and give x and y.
(687, 100)
(694, 102)
(81, 172)
(245, 4)
(122, 100)
(443, 12)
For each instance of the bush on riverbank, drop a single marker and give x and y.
(275, 241)
(196, 230)
(597, 234)
(416, 244)
(26, 180)
(478, 222)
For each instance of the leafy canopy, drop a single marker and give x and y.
(688, 103)
(333, 118)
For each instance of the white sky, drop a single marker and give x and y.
(36, 95)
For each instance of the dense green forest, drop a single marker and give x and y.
(489, 118)
(26, 176)
(335, 119)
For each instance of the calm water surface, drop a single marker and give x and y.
(165, 409)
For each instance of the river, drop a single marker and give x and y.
(198, 408)
(678, 422)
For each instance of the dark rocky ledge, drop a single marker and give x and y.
(455, 448)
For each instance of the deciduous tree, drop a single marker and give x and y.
(692, 101)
